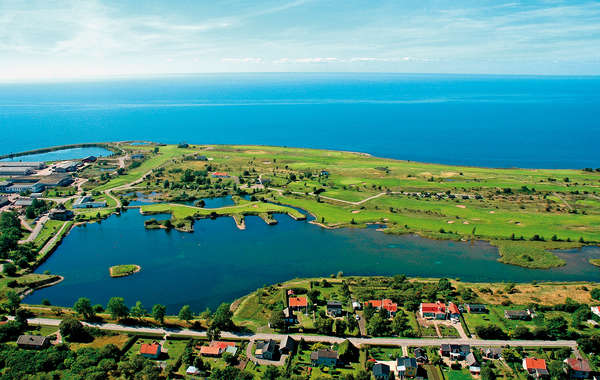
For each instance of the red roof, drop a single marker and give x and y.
(578, 365)
(437, 307)
(220, 174)
(453, 309)
(387, 304)
(215, 348)
(290, 292)
(298, 302)
(533, 363)
(150, 349)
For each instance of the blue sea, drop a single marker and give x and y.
(495, 121)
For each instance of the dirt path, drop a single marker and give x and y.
(563, 201)
(53, 240)
(36, 230)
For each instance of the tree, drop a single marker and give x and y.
(351, 322)
(340, 327)
(158, 313)
(72, 330)
(378, 326)
(13, 302)
(185, 313)
(369, 311)
(556, 369)
(595, 293)
(83, 306)
(324, 325)
(400, 323)
(9, 269)
(277, 320)
(138, 310)
(229, 358)
(556, 327)
(271, 373)
(117, 308)
(490, 332)
(487, 373)
(222, 317)
(313, 296)
(213, 333)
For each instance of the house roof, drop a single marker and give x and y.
(150, 349)
(470, 359)
(534, 363)
(420, 353)
(191, 370)
(381, 369)
(578, 364)
(406, 362)
(31, 340)
(215, 348)
(325, 354)
(437, 307)
(335, 304)
(298, 301)
(220, 174)
(453, 309)
(288, 342)
(516, 313)
(387, 304)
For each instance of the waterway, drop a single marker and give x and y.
(64, 154)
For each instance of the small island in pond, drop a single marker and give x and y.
(124, 270)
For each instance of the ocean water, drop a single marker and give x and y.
(496, 121)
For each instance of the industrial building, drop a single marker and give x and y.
(10, 170)
(87, 202)
(67, 166)
(20, 164)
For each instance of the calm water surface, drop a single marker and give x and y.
(218, 262)
(64, 154)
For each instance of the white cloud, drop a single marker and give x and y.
(243, 60)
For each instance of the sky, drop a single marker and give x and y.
(77, 39)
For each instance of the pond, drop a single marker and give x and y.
(142, 198)
(64, 154)
(219, 263)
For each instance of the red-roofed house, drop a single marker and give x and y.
(151, 351)
(220, 175)
(433, 310)
(387, 304)
(297, 303)
(215, 348)
(536, 367)
(578, 368)
(453, 311)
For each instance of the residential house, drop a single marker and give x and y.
(455, 351)
(266, 350)
(219, 175)
(453, 311)
(61, 215)
(324, 173)
(381, 371)
(536, 367)
(433, 310)
(524, 315)
(386, 304)
(88, 202)
(297, 303)
(492, 352)
(474, 366)
(420, 355)
(192, 371)
(577, 368)
(475, 308)
(325, 358)
(356, 305)
(289, 317)
(595, 310)
(150, 351)
(407, 367)
(287, 345)
(36, 342)
(334, 308)
(216, 348)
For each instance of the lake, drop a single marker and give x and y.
(496, 121)
(219, 263)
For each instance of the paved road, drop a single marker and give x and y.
(52, 240)
(399, 342)
(36, 230)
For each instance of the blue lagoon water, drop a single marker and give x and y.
(219, 263)
(64, 154)
(497, 121)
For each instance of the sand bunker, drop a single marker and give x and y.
(355, 211)
(461, 206)
(450, 221)
(465, 222)
(492, 212)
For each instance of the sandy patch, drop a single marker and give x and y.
(449, 174)
(476, 219)
(492, 212)
(450, 221)
(355, 211)
(267, 162)
(255, 206)
(255, 152)
(426, 174)
(461, 206)
(465, 222)
(386, 220)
